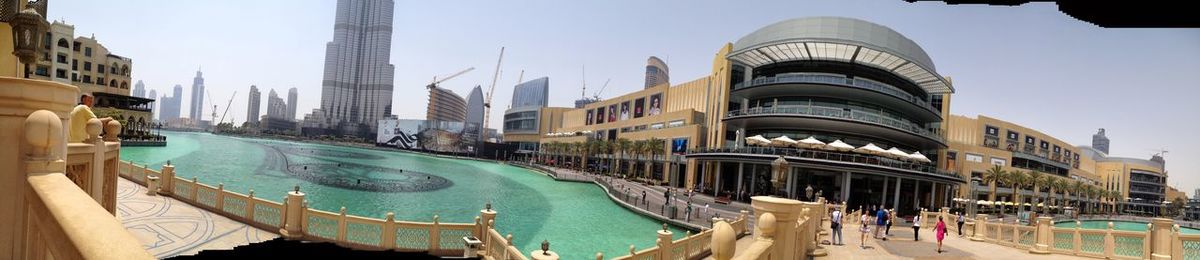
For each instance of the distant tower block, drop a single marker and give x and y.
(656, 72)
(1100, 142)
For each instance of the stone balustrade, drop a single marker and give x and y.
(1162, 240)
(60, 197)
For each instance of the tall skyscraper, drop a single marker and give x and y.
(475, 106)
(253, 105)
(1100, 142)
(357, 88)
(657, 72)
(291, 104)
(197, 105)
(139, 90)
(533, 93)
(154, 112)
(170, 106)
(276, 108)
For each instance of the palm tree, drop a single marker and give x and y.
(1062, 185)
(1017, 179)
(991, 177)
(1052, 183)
(1038, 180)
(1117, 199)
(639, 148)
(623, 145)
(656, 148)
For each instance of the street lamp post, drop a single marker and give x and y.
(28, 27)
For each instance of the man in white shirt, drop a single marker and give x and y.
(835, 225)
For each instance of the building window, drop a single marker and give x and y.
(74, 64)
(656, 126)
(991, 130)
(999, 161)
(60, 73)
(87, 79)
(42, 71)
(87, 66)
(676, 123)
(974, 157)
(62, 58)
(75, 46)
(1013, 136)
(100, 81)
(87, 51)
(100, 68)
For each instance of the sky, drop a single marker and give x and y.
(1029, 65)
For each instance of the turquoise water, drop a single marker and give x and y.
(577, 218)
(1117, 225)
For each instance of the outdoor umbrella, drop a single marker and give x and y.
(917, 156)
(810, 142)
(897, 153)
(757, 140)
(782, 141)
(870, 148)
(840, 146)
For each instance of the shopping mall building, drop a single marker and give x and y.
(834, 107)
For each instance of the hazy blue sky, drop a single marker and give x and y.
(1030, 65)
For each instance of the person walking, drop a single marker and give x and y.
(880, 222)
(835, 226)
(864, 229)
(888, 231)
(917, 227)
(643, 196)
(940, 230)
(961, 220)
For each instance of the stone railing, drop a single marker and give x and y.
(785, 229)
(1162, 240)
(293, 219)
(54, 210)
(92, 164)
(691, 246)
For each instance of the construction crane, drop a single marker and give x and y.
(487, 101)
(596, 96)
(214, 110)
(433, 84)
(227, 105)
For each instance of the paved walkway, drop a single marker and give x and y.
(654, 198)
(900, 245)
(168, 227)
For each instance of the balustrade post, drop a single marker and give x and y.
(507, 242)
(220, 203)
(195, 189)
(341, 225)
(250, 206)
(487, 215)
(293, 214)
(723, 242)
(664, 243)
(1045, 236)
(389, 232)
(43, 132)
(1110, 242)
(435, 235)
(747, 228)
(1176, 243)
(1161, 235)
(167, 186)
(145, 172)
(97, 162)
(151, 185)
(980, 227)
(599, 256)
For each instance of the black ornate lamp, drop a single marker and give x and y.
(28, 28)
(808, 192)
(545, 247)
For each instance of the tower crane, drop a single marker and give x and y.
(227, 105)
(596, 96)
(214, 110)
(433, 84)
(487, 101)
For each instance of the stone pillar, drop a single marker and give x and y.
(785, 212)
(167, 179)
(487, 216)
(293, 214)
(1045, 236)
(665, 243)
(93, 129)
(980, 227)
(34, 145)
(151, 185)
(1161, 235)
(724, 240)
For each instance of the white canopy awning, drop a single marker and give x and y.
(840, 146)
(757, 140)
(782, 141)
(870, 148)
(810, 142)
(897, 153)
(917, 156)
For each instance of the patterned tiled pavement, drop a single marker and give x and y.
(168, 227)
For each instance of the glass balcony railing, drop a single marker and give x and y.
(842, 81)
(842, 113)
(833, 156)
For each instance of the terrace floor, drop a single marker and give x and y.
(168, 227)
(900, 245)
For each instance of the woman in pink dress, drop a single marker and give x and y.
(940, 230)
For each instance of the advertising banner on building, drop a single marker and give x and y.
(422, 135)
